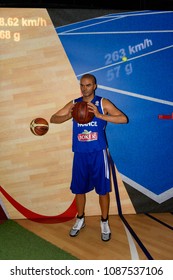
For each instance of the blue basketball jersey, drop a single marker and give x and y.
(90, 137)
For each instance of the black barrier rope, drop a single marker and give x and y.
(141, 245)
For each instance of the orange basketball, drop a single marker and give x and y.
(81, 113)
(39, 126)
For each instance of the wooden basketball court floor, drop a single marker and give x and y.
(134, 236)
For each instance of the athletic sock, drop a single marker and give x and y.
(80, 217)
(104, 220)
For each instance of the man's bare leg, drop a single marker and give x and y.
(104, 201)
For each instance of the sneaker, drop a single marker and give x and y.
(80, 223)
(105, 231)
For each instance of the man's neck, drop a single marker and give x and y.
(88, 98)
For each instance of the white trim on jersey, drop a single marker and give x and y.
(101, 104)
(106, 164)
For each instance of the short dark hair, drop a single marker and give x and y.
(90, 76)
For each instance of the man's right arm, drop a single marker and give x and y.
(63, 114)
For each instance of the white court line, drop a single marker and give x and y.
(127, 92)
(116, 17)
(109, 16)
(158, 198)
(133, 250)
(90, 19)
(129, 59)
(157, 100)
(117, 32)
(144, 13)
(126, 14)
(89, 25)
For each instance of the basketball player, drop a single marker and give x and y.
(90, 163)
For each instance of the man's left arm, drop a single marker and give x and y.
(111, 112)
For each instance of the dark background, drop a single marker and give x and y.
(94, 4)
(64, 12)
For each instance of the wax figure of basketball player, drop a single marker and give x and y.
(90, 164)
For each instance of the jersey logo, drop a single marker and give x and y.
(87, 136)
(87, 124)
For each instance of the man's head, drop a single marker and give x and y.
(88, 86)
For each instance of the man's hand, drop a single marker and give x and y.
(92, 108)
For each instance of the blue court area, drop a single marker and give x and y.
(131, 56)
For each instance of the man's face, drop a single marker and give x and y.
(87, 87)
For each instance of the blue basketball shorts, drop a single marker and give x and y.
(91, 171)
